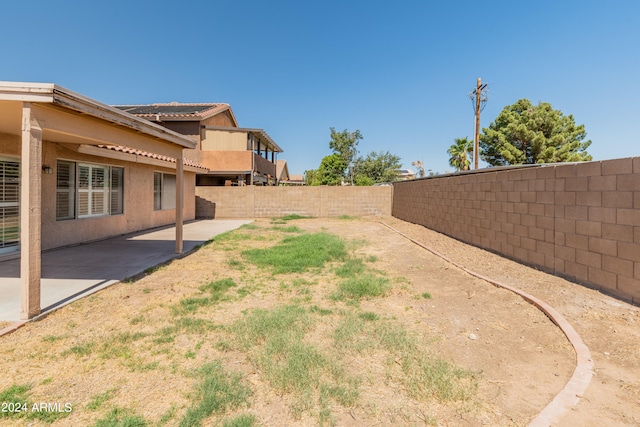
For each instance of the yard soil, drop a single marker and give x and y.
(524, 359)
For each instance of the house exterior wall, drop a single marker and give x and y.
(580, 221)
(222, 119)
(138, 198)
(227, 160)
(267, 202)
(224, 141)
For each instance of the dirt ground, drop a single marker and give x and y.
(524, 359)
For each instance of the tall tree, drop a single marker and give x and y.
(524, 133)
(420, 166)
(377, 167)
(345, 144)
(458, 153)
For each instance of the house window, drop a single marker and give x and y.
(9, 205)
(65, 190)
(88, 190)
(164, 191)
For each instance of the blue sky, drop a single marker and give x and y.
(400, 73)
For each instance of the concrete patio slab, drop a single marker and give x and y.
(75, 272)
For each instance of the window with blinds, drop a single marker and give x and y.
(65, 190)
(116, 197)
(164, 191)
(88, 190)
(9, 205)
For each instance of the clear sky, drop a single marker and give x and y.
(400, 72)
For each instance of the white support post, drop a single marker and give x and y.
(30, 214)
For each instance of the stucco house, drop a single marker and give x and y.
(74, 170)
(232, 155)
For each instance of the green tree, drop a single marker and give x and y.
(330, 171)
(311, 177)
(345, 144)
(458, 154)
(525, 134)
(377, 167)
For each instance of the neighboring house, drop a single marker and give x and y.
(74, 170)
(406, 174)
(295, 179)
(232, 155)
(282, 171)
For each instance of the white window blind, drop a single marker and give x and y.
(86, 190)
(164, 191)
(65, 190)
(9, 205)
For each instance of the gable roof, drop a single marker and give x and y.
(175, 111)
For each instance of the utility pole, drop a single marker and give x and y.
(479, 95)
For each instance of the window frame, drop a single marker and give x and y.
(164, 191)
(99, 192)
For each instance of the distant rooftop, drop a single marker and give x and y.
(175, 111)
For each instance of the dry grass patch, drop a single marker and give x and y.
(265, 315)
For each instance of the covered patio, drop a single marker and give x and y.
(72, 187)
(74, 272)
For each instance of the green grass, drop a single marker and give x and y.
(424, 375)
(243, 420)
(275, 341)
(216, 291)
(364, 286)
(347, 217)
(290, 229)
(351, 268)
(294, 216)
(120, 417)
(98, 400)
(297, 254)
(217, 392)
(83, 349)
(320, 311)
(53, 338)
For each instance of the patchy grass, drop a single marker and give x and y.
(121, 417)
(216, 290)
(309, 345)
(217, 392)
(275, 339)
(364, 286)
(298, 254)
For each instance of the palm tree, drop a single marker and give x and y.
(418, 164)
(458, 153)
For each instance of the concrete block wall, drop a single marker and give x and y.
(268, 202)
(580, 221)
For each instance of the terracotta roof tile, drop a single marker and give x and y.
(122, 149)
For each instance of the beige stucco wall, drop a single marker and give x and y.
(580, 221)
(227, 160)
(267, 202)
(138, 198)
(224, 140)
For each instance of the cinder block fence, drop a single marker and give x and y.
(267, 202)
(580, 221)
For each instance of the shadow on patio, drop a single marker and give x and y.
(74, 272)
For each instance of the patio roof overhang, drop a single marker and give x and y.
(45, 111)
